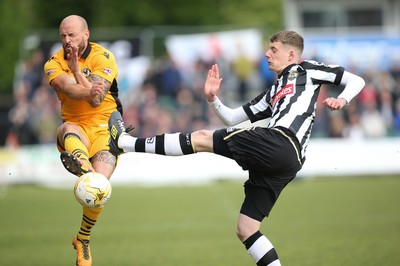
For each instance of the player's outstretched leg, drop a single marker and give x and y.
(173, 144)
(75, 165)
(83, 258)
(116, 127)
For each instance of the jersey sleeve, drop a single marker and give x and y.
(52, 69)
(106, 66)
(321, 73)
(258, 108)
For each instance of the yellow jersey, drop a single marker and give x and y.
(96, 60)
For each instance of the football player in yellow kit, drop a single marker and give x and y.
(84, 76)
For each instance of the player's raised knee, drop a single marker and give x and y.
(202, 140)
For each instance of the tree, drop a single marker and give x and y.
(16, 20)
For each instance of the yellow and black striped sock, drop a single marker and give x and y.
(89, 219)
(73, 144)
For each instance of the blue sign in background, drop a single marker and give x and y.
(361, 52)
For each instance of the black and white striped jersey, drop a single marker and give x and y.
(292, 101)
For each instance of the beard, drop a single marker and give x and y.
(81, 47)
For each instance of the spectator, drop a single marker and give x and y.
(396, 118)
(22, 131)
(243, 68)
(168, 87)
(171, 80)
(386, 107)
(268, 77)
(354, 130)
(372, 121)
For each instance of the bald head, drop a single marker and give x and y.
(76, 20)
(74, 31)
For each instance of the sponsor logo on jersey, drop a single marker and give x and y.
(286, 90)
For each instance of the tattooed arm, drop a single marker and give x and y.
(106, 85)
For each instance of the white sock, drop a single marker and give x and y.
(127, 142)
(261, 250)
(173, 144)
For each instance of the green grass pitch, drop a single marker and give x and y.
(318, 222)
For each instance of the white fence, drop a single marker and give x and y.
(325, 157)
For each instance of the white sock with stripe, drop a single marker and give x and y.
(175, 144)
(261, 250)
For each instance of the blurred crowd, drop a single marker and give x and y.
(170, 99)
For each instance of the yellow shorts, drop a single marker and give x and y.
(97, 135)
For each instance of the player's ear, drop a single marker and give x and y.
(295, 54)
(291, 55)
(87, 34)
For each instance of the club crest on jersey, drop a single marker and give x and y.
(284, 91)
(292, 75)
(86, 71)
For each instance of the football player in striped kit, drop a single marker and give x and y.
(272, 154)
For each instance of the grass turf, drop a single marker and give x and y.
(326, 221)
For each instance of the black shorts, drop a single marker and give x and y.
(272, 157)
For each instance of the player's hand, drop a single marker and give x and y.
(212, 84)
(97, 93)
(72, 59)
(98, 88)
(334, 104)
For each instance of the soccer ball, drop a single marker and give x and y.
(92, 190)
